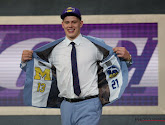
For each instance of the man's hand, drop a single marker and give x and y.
(122, 52)
(27, 55)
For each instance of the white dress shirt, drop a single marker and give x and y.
(87, 56)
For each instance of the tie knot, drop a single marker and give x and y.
(72, 43)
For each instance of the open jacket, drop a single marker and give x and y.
(41, 89)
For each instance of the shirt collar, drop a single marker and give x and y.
(77, 41)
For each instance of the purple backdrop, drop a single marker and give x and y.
(140, 39)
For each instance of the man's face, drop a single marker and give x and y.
(72, 26)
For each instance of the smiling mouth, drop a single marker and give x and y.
(71, 30)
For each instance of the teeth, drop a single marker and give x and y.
(71, 29)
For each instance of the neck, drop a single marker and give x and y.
(70, 38)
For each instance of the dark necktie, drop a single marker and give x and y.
(76, 84)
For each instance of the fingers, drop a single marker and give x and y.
(122, 52)
(27, 55)
(116, 49)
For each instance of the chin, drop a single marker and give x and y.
(72, 37)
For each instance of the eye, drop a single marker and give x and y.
(74, 22)
(66, 22)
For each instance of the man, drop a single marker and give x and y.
(76, 60)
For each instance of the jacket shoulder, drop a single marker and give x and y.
(92, 38)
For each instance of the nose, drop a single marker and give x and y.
(70, 25)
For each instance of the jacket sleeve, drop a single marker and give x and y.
(23, 66)
(129, 63)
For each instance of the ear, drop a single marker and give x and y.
(81, 23)
(62, 24)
